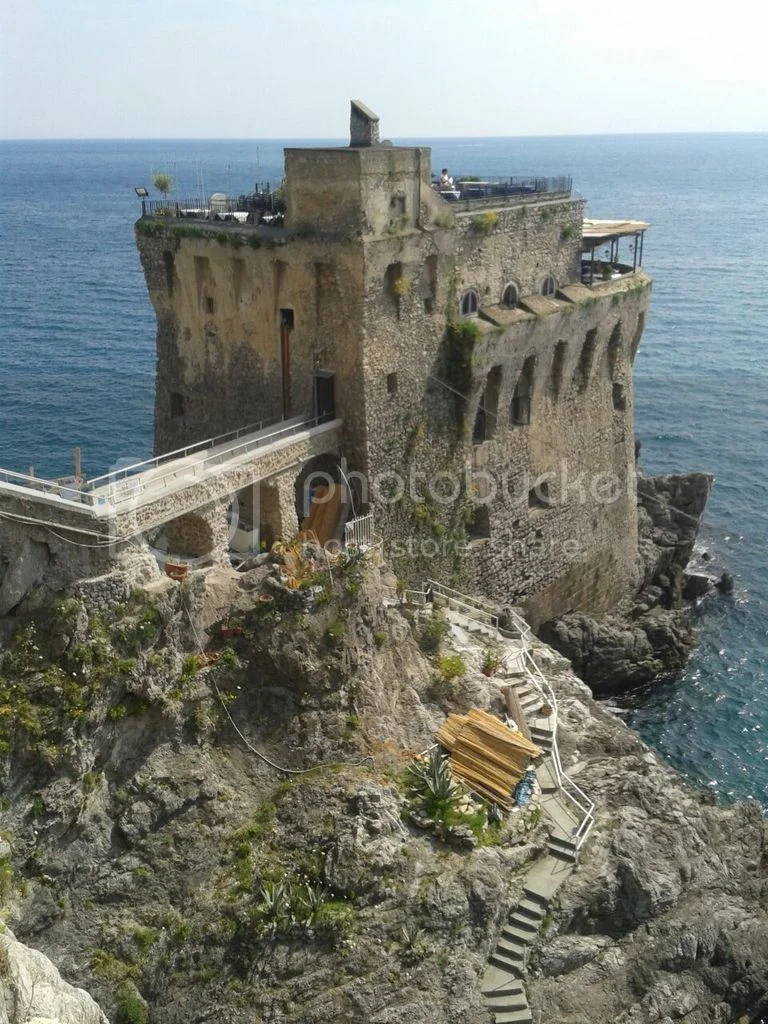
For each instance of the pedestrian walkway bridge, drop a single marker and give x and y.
(133, 499)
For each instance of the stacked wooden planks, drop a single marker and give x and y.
(486, 755)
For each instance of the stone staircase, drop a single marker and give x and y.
(503, 984)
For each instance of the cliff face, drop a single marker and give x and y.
(163, 864)
(653, 633)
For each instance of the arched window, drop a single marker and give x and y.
(520, 409)
(469, 303)
(510, 296)
(549, 286)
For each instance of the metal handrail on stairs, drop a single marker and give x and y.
(476, 610)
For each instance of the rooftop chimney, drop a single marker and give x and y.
(363, 125)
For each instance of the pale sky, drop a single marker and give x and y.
(287, 69)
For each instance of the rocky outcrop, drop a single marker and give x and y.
(612, 653)
(666, 916)
(670, 508)
(166, 864)
(33, 992)
(651, 634)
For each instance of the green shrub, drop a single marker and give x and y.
(163, 182)
(334, 920)
(460, 338)
(450, 666)
(334, 632)
(130, 1009)
(433, 633)
(6, 879)
(90, 781)
(484, 223)
(379, 638)
(149, 228)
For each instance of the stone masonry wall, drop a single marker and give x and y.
(581, 551)
(525, 244)
(219, 361)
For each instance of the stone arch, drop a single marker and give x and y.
(469, 303)
(548, 286)
(488, 407)
(520, 406)
(324, 494)
(511, 295)
(639, 328)
(614, 348)
(190, 535)
(558, 367)
(586, 359)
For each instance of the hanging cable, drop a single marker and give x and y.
(286, 771)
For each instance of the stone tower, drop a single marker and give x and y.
(485, 390)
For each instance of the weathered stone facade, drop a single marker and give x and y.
(514, 435)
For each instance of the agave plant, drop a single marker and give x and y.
(310, 900)
(274, 908)
(433, 781)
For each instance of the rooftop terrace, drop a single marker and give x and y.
(469, 193)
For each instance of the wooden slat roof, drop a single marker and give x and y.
(599, 231)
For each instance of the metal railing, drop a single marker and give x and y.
(359, 532)
(133, 487)
(60, 489)
(253, 206)
(129, 483)
(179, 453)
(471, 607)
(500, 191)
(478, 610)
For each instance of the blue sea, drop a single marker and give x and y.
(77, 357)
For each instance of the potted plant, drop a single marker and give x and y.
(491, 662)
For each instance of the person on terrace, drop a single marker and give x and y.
(445, 180)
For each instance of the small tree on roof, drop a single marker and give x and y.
(163, 182)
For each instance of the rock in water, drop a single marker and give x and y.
(33, 992)
(725, 583)
(652, 633)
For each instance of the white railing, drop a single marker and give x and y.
(574, 793)
(130, 488)
(359, 532)
(55, 488)
(470, 608)
(179, 453)
(126, 485)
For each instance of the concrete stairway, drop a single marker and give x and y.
(503, 986)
